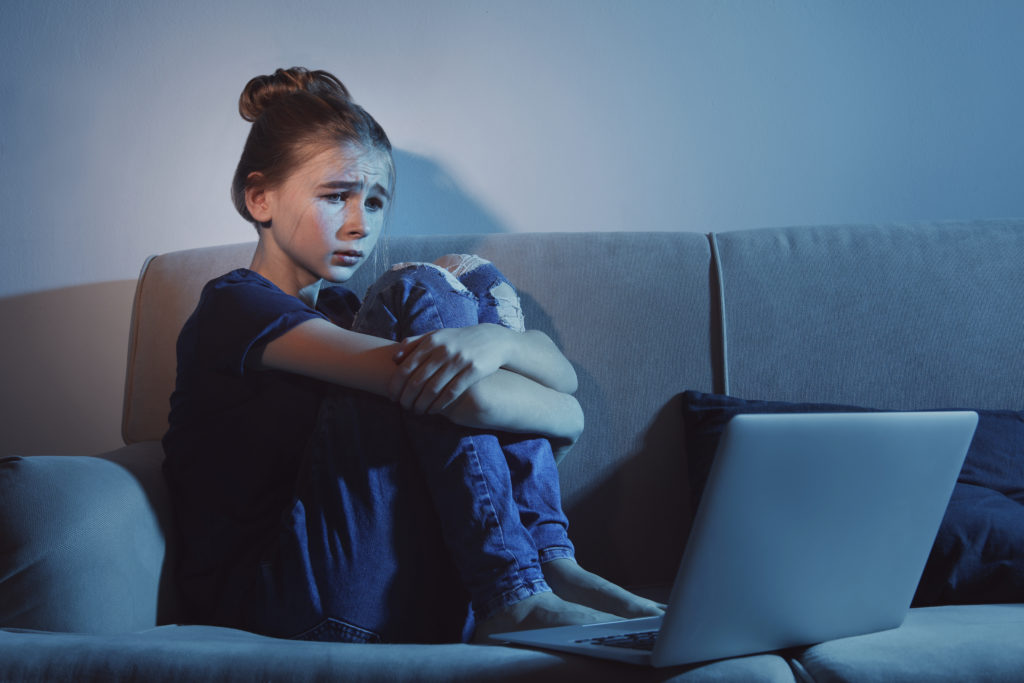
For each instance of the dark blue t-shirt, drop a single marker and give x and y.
(237, 434)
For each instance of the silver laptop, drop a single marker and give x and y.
(811, 527)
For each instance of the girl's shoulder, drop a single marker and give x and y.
(244, 284)
(243, 278)
(246, 292)
(246, 295)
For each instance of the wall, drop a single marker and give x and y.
(119, 134)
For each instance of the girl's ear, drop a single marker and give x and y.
(256, 199)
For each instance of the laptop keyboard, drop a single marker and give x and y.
(641, 640)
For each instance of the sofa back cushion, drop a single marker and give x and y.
(927, 316)
(83, 542)
(167, 292)
(630, 310)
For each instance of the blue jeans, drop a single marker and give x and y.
(406, 527)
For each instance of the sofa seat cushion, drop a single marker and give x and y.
(207, 653)
(949, 643)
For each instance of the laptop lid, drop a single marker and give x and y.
(811, 527)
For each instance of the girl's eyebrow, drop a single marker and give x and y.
(351, 185)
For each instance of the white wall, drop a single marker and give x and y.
(119, 134)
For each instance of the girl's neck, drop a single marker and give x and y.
(285, 276)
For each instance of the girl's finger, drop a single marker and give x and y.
(451, 391)
(428, 375)
(409, 356)
(405, 347)
(434, 384)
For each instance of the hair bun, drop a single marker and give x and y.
(263, 92)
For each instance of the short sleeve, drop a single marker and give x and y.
(239, 312)
(339, 304)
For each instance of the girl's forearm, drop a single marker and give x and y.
(504, 400)
(507, 401)
(534, 355)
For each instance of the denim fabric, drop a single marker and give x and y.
(401, 522)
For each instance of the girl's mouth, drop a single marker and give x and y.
(346, 258)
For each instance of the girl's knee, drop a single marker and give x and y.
(461, 264)
(499, 300)
(425, 273)
(464, 275)
(415, 298)
(504, 301)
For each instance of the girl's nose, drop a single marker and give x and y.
(355, 225)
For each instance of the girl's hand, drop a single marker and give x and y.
(435, 369)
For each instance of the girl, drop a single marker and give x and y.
(375, 471)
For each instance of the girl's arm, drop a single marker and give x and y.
(509, 402)
(530, 353)
(458, 374)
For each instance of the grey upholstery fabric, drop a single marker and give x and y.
(952, 643)
(198, 654)
(883, 316)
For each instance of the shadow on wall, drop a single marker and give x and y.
(62, 364)
(63, 351)
(428, 201)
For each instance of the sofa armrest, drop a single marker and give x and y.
(82, 541)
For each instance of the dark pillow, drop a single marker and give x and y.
(978, 556)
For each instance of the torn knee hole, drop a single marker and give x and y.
(460, 264)
(451, 279)
(507, 302)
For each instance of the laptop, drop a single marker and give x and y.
(811, 527)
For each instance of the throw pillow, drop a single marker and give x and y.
(978, 556)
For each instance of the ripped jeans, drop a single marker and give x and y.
(406, 527)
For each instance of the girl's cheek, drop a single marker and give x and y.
(330, 217)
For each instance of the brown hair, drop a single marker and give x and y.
(295, 114)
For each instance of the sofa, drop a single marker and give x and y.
(917, 316)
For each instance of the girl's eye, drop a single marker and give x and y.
(375, 204)
(336, 198)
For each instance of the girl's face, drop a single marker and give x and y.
(326, 217)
